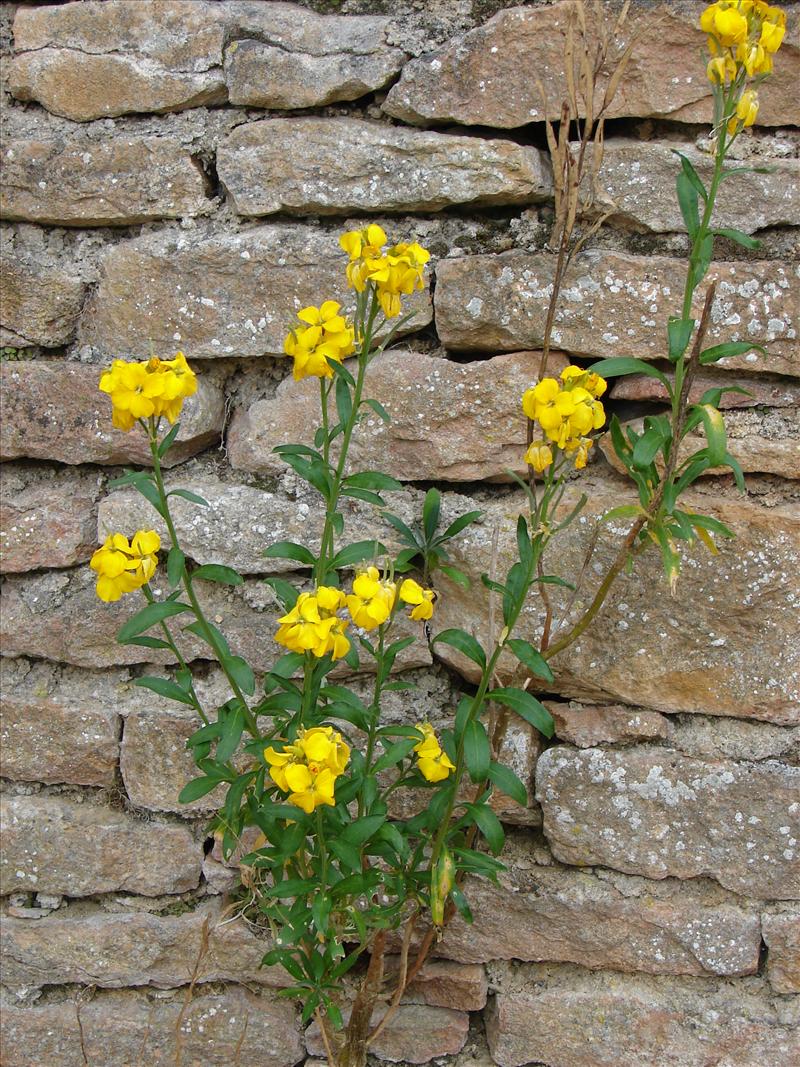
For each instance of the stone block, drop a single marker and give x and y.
(449, 421)
(603, 921)
(782, 937)
(483, 78)
(564, 1017)
(45, 740)
(57, 845)
(116, 182)
(55, 410)
(312, 166)
(587, 725)
(47, 519)
(445, 984)
(416, 1034)
(39, 305)
(655, 812)
(224, 295)
(138, 948)
(615, 304)
(123, 1028)
(760, 392)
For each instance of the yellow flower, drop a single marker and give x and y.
(393, 273)
(422, 600)
(726, 22)
(754, 58)
(122, 567)
(313, 626)
(323, 338)
(579, 448)
(721, 68)
(539, 456)
(746, 112)
(371, 602)
(148, 389)
(434, 764)
(308, 768)
(772, 31)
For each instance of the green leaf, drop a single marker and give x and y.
(679, 332)
(148, 642)
(175, 564)
(215, 572)
(462, 906)
(714, 427)
(241, 672)
(706, 522)
(524, 547)
(290, 887)
(730, 348)
(713, 396)
(364, 494)
(455, 575)
(507, 782)
(290, 550)
(405, 532)
(688, 201)
(198, 787)
(394, 754)
(379, 410)
(355, 553)
(459, 524)
(743, 239)
(187, 494)
(149, 616)
(231, 734)
(297, 450)
(648, 446)
(691, 175)
(373, 480)
(477, 751)
(342, 372)
(212, 635)
(165, 688)
(361, 830)
(489, 825)
(704, 255)
(167, 440)
(624, 511)
(285, 592)
(530, 657)
(515, 589)
(620, 365)
(464, 643)
(527, 707)
(431, 509)
(344, 401)
(150, 493)
(346, 852)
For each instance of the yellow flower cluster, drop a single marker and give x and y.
(324, 337)
(313, 625)
(566, 412)
(743, 36)
(121, 566)
(433, 762)
(371, 602)
(394, 272)
(307, 769)
(421, 600)
(149, 389)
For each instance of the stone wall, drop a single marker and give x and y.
(176, 174)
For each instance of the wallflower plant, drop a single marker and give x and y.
(307, 761)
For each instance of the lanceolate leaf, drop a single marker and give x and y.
(530, 658)
(619, 365)
(526, 706)
(149, 616)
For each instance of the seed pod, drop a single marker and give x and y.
(442, 880)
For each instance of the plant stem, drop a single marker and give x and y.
(178, 656)
(202, 622)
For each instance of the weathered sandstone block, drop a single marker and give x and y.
(782, 936)
(94, 183)
(327, 166)
(118, 949)
(656, 812)
(226, 295)
(588, 725)
(56, 845)
(95, 60)
(637, 183)
(47, 519)
(44, 740)
(302, 59)
(119, 1029)
(484, 78)
(452, 421)
(445, 984)
(647, 648)
(54, 410)
(617, 923)
(57, 616)
(415, 1034)
(564, 1017)
(614, 304)
(761, 392)
(39, 305)
(761, 441)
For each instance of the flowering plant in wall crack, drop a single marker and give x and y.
(307, 762)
